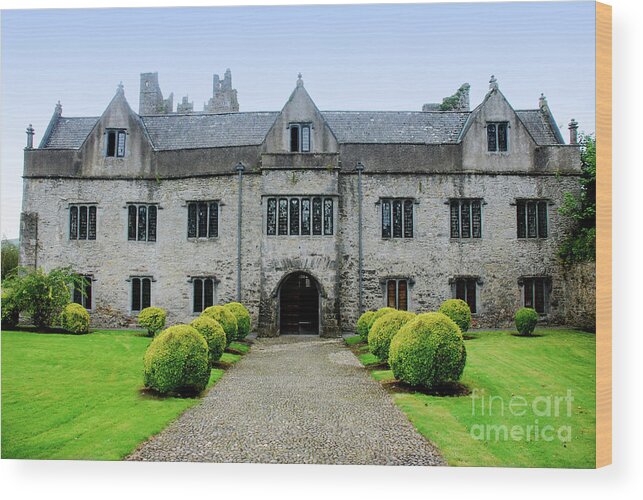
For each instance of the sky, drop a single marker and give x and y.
(352, 57)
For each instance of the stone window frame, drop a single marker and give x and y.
(209, 202)
(333, 198)
(537, 201)
(534, 281)
(141, 277)
(496, 124)
(300, 126)
(118, 133)
(468, 278)
(89, 277)
(78, 205)
(460, 201)
(403, 199)
(202, 277)
(147, 205)
(384, 285)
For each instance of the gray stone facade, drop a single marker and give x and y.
(171, 159)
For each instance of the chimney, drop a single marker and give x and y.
(573, 132)
(30, 134)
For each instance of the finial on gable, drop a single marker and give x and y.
(542, 101)
(121, 88)
(493, 83)
(300, 82)
(59, 109)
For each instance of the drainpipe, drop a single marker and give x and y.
(240, 168)
(360, 167)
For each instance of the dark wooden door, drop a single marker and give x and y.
(299, 305)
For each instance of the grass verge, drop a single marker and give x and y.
(79, 397)
(492, 426)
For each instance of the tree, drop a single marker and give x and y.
(42, 295)
(10, 257)
(580, 245)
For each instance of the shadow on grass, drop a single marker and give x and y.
(449, 389)
(532, 336)
(148, 393)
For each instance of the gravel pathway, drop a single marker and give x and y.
(294, 399)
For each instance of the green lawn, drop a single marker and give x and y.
(501, 366)
(78, 397)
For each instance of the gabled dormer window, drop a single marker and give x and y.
(497, 137)
(115, 143)
(299, 137)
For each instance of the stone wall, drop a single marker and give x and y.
(579, 281)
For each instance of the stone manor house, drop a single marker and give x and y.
(308, 217)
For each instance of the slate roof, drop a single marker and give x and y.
(208, 130)
(539, 126)
(70, 133)
(385, 127)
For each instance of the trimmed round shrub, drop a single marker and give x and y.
(9, 309)
(428, 351)
(526, 319)
(213, 334)
(458, 310)
(363, 324)
(176, 361)
(75, 319)
(383, 331)
(244, 322)
(226, 318)
(152, 319)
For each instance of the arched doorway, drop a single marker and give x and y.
(299, 305)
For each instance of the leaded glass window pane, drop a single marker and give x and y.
(91, 228)
(294, 216)
(142, 223)
(213, 222)
(283, 216)
(192, 220)
(208, 292)
(120, 151)
(328, 216)
(521, 216)
(542, 219)
(151, 233)
(82, 223)
(491, 137)
(197, 294)
(131, 222)
(317, 216)
(271, 217)
(465, 215)
(305, 138)
(476, 219)
(386, 219)
(146, 292)
(531, 220)
(397, 218)
(408, 218)
(455, 219)
(502, 137)
(136, 294)
(305, 216)
(73, 223)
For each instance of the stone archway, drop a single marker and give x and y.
(299, 305)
